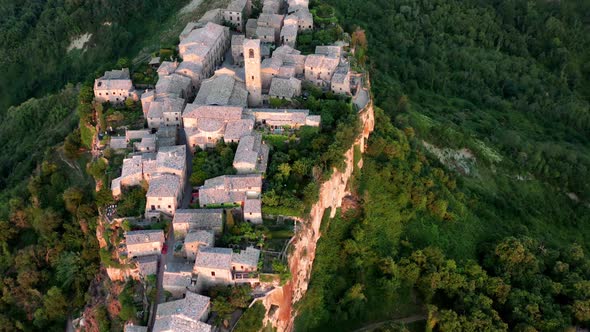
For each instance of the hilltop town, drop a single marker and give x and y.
(233, 89)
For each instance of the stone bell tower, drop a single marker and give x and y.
(252, 68)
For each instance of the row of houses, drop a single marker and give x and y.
(202, 261)
(165, 173)
(187, 314)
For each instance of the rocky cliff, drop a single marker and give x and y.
(279, 303)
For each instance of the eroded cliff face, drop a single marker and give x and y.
(279, 303)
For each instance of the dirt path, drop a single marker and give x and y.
(405, 320)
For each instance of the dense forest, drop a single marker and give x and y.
(48, 248)
(36, 35)
(34, 54)
(492, 239)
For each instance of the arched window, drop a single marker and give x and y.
(251, 54)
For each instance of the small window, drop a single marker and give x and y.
(251, 53)
(252, 77)
(213, 273)
(169, 206)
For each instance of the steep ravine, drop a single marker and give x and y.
(279, 303)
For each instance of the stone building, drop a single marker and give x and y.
(114, 86)
(251, 155)
(237, 49)
(188, 220)
(147, 265)
(213, 265)
(166, 68)
(340, 83)
(225, 88)
(304, 19)
(289, 34)
(163, 197)
(319, 69)
(252, 211)
(245, 260)
(205, 125)
(173, 86)
(177, 278)
(236, 13)
(270, 69)
(252, 61)
(251, 26)
(272, 6)
(285, 88)
(205, 46)
(230, 189)
(277, 119)
(144, 242)
(165, 112)
(223, 266)
(184, 315)
(266, 34)
(272, 21)
(195, 240)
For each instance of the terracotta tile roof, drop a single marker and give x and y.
(165, 185)
(175, 280)
(167, 68)
(118, 142)
(329, 50)
(222, 90)
(249, 257)
(183, 315)
(203, 218)
(252, 206)
(289, 31)
(206, 238)
(132, 167)
(114, 80)
(193, 306)
(226, 113)
(270, 20)
(134, 328)
(214, 258)
(265, 32)
(237, 40)
(171, 157)
(229, 188)
(147, 264)
(180, 324)
(249, 149)
(136, 134)
(173, 84)
(235, 130)
(284, 87)
(144, 236)
(237, 5)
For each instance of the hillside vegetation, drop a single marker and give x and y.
(497, 241)
(36, 35)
